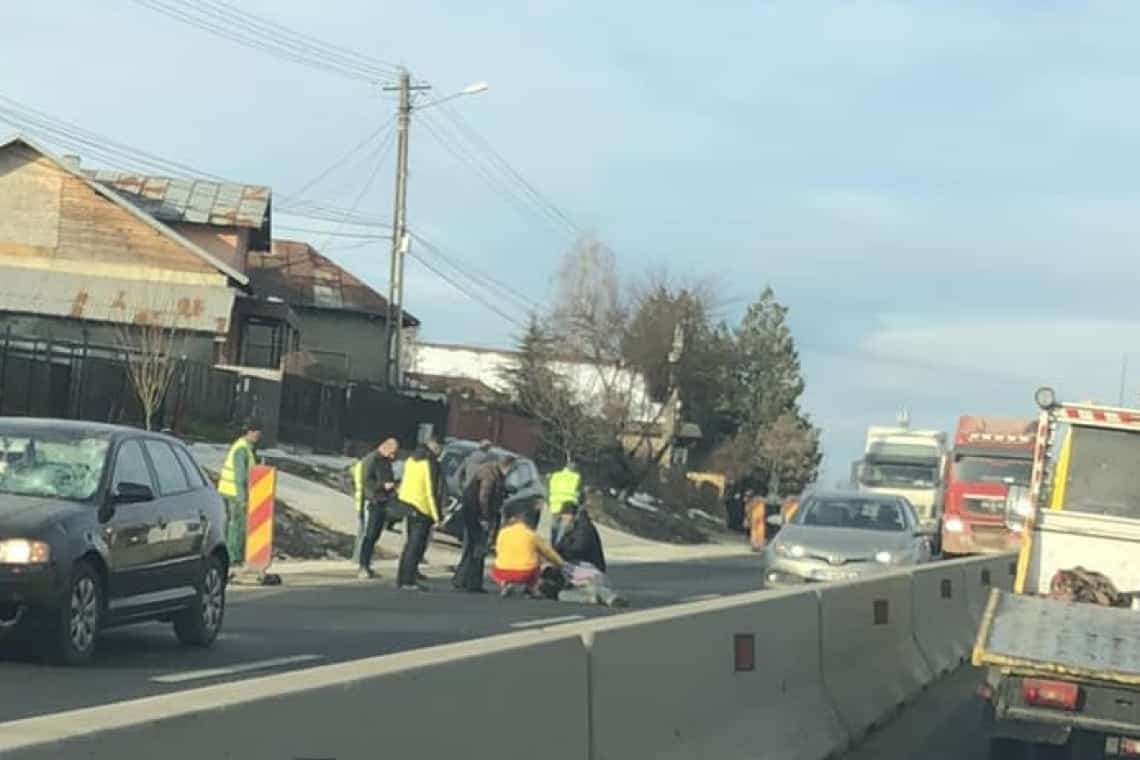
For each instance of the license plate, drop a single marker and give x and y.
(832, 575)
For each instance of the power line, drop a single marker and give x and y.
(235, 25)
(378, 156)
(488, 281)
(504, 166)
(343, 159)
(466, 291)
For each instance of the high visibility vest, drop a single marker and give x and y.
(563, 488)
(227, 481)
(358, 484)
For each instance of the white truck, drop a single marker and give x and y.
(1062, 672)
(908, 463)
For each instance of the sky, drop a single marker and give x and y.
(944, 194)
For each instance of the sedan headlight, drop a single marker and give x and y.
(791, 550)
(885, 558)
(21, 551)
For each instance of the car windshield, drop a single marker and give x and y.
(862, 514)
(51, 464)
(969, 469)
(899, 475)
(1101, 476)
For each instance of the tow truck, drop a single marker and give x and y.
(990, 454)
(1059, 672)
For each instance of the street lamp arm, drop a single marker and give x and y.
(471, 89)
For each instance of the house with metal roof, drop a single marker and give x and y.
(342, 322)
(81, 259)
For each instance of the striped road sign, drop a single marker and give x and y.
(259, 522)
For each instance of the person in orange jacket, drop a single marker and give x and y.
(757, 522)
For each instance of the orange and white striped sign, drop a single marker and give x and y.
(259, 520)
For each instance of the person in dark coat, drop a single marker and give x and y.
(481, 504)
(579, 540)
(379, 489)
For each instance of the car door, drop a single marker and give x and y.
(135, 532)
(183, 546)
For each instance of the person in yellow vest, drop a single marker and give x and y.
(233, 486)
(416, 495)
(357, 472)
(565, 487)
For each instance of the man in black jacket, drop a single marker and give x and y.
(379, 488)
(579, 540)
(482, 501)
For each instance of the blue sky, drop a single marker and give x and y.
(944, 194)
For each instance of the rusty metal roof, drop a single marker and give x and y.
(297, 274)
(197, 201)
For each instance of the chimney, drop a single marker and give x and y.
(71, 161)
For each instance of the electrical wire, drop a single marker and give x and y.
(490, 283)
(251, 31)
(467, 291)
(377, 156)
(344, 159)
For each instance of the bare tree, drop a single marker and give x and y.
(151, 346)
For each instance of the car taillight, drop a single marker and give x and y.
(1055, 694)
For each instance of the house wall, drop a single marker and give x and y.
(68, 251)
(347, 345)
(196, 346)
(588, 381)
(230, 244)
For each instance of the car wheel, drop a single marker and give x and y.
(199, 624)
(77, 626)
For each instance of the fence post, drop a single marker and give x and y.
(80, 385)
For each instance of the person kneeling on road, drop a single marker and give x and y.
(519, 553)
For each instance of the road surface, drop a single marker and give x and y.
(318, 619)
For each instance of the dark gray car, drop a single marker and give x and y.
(101, 526)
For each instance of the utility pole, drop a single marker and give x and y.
(395, 326)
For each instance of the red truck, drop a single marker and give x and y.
(990, 454)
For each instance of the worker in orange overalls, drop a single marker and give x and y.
(756, 510)
(789, 509)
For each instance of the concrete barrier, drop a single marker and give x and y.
(942, 624)
(871, 661)
(729, 679)
(984, 574)
(454, 701)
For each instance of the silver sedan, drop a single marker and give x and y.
(843, 536)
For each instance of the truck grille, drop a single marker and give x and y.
(984, 505)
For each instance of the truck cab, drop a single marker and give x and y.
(990, 454)
(898, 461)
(1063, 672)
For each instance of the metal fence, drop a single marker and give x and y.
(85, 381)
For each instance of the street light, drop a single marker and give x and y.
(395, 317)
(472, 89)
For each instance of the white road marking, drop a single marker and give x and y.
(701, 597)
(547, 621)
(195, 675)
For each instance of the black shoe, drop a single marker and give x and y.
(421, 577)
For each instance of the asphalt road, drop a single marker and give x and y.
(315, 619)
(942, 723)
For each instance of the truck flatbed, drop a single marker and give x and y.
(1035, 635)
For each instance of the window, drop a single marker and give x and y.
(51, 463)
(969, 469)
(130, 466)
(193, 471)
(1101, 476)
(171, 479)
(522, 475)
(863, 514)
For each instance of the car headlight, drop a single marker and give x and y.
(884, 558)
(21, 551)
(791, 550)
(954, 525)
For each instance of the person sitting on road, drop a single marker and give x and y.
(519, 552)
(578, 537)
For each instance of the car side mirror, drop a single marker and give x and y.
(927, 529)
(132, 493)
(1018, 507)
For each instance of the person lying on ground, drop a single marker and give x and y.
(519, 553)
